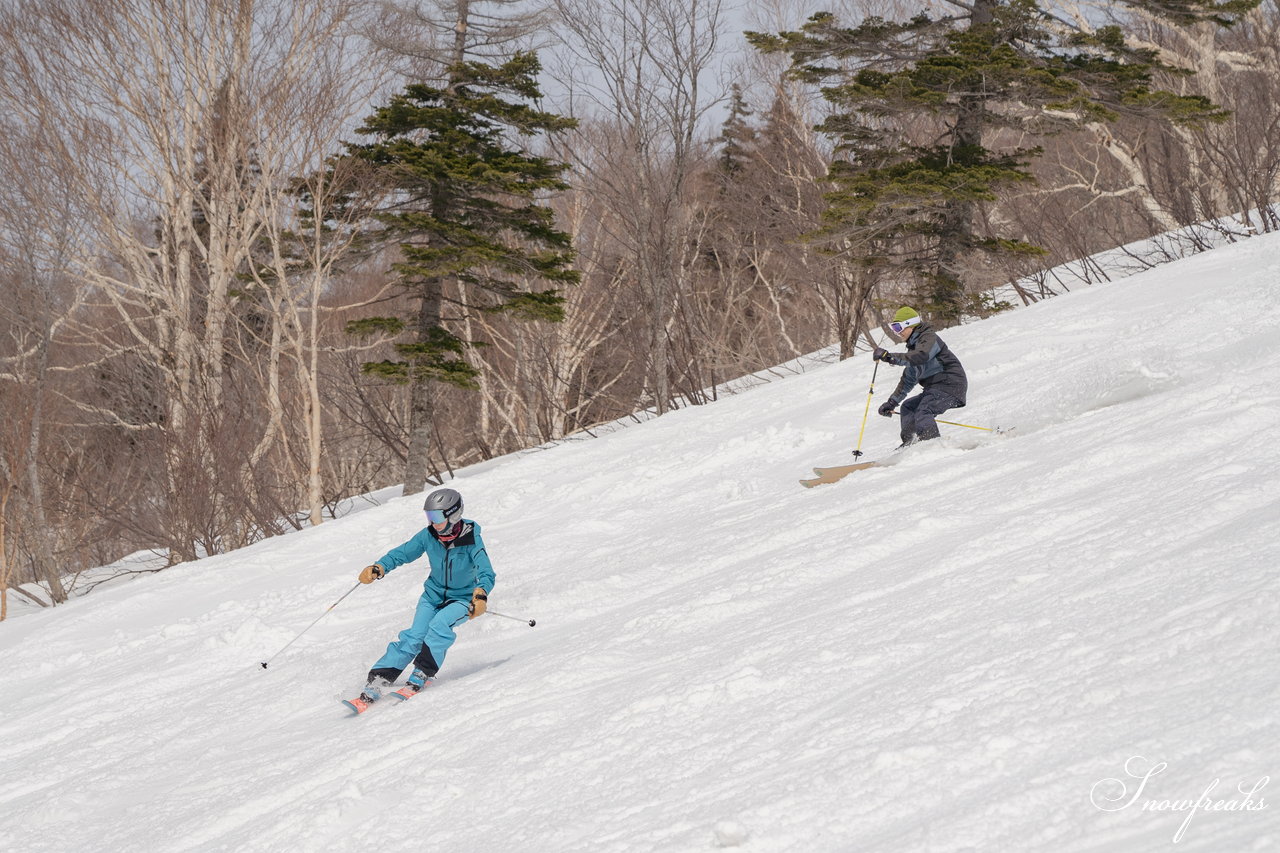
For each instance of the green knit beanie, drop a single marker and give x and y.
(905, 313)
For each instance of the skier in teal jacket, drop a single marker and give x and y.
(457, 589)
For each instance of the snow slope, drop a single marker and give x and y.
(963, 651)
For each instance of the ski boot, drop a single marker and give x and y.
(417, 681)
(372, 693)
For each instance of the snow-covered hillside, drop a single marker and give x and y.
(970, 650)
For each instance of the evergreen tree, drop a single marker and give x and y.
(907, 202)
(736, 135)
(465, 210)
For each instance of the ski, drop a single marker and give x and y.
(406, 693)
(836, 473)
(359, 704)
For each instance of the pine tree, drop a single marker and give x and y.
(466, 211)
(736, 135)
(909, 205)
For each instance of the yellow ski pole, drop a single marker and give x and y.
(870, 392)
(966, 426)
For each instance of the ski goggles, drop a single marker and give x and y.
(437, 516)
(900, 326)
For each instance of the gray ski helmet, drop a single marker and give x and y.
(444, 505)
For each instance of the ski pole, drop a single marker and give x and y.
(530, 622)
(312, 625)
(966, 426)
(870, 392)
(969, 426)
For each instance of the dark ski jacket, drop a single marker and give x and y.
(457, 567)
(930, 363)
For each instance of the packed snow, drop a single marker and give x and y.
(1060, 638)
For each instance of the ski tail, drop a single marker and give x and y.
(836, 473)
(358, 705)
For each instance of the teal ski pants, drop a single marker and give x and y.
(425, 642)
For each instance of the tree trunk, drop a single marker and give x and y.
(955, 235)
(660, 344)
(315, 410)
(421, 397)
(47, 568)
(4, 553)
(430, 316)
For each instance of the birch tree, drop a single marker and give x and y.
(161, 113)
(40, 230)
(641, 75)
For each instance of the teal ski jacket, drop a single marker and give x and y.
(457, 567)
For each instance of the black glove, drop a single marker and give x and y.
(886, 408)
(879, 353)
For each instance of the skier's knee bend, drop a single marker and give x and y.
(383, 674)
(426, 662)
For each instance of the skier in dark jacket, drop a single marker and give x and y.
(456, 589)
(930, 363)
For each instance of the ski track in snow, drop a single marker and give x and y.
(942, 655)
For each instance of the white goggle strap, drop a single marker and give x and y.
(899, 326)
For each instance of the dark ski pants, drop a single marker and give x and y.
(918, 415)
(425, 642)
